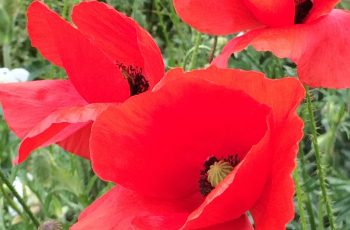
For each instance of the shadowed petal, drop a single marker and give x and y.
(120, 37)
(95, 76)
(58, 126)
(26, 104)
(272, 12)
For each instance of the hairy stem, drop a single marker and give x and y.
(300, 199)
(320, 172)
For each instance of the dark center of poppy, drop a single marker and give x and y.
(214, 171)
(302, 9)
(137, 82)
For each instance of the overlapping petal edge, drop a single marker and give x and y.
(319, 45)
(261, 184)
(61, 111)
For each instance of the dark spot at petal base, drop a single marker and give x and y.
(137, 82)
(302, 9)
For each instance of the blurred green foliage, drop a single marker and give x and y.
(57, 185)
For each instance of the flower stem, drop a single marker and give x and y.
(320, 172)
(19, 198)
(213, 49)
(308, 204)
(6, 49)
(10, 201)
(195, 51)
(300, 199)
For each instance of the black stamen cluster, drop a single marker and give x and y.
(137, 82)
(204, 185)
(302, 9)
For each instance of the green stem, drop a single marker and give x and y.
(195, 51)
(320, 172)
(19, 198)
(308, 204)
(213, 49)
(10, 201)
(6, 55)
(300, 200)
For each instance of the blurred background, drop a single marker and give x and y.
(56, 185)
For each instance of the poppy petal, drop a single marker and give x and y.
(321, 7)
(26, 104)
(120, 37)
(268, 159)
(121, 208)
(78, 142)
(255, 84)
(201, 116)
(319, 48)
(272, 12)
(275, 207)
(41, 33)
(241, 223)
(58, 126)
(229, 16)
(94, 75)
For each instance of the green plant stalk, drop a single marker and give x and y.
(6, 55)
(308, 204)
(320, 171)
(19, 198)
(213, 49)
(300, 199)
(197, 42)
(10, 201)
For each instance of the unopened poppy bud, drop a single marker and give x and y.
(50, 225)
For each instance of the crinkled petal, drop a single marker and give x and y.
(213, 17)
(272, 12)
(26, 104)
(121, 209)
(176, 128)
(120, 37)
(58, 126)
(319, 48)
(275, 207)
(95, 76)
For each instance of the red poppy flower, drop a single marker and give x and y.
(200, 151)
(107, 56)
(308, 32)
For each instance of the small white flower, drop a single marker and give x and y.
(12, 76)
